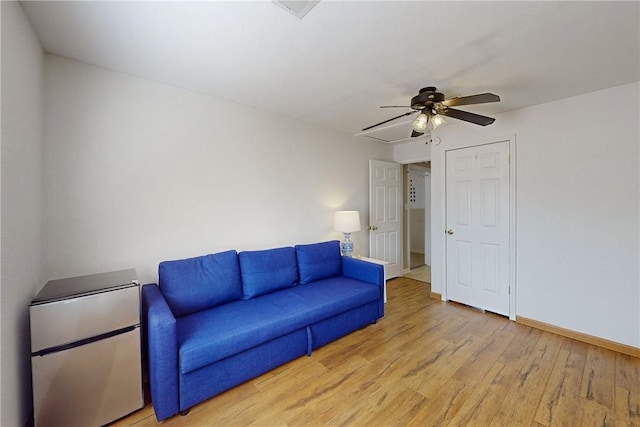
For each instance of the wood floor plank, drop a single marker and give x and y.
(592, 413)
(443, 407)
(548, 346)
(522, 347)
(520, 406)
(483, 403)
(216, 413)
(430, 363)
(337, 408)
(573, 346)
(628, 372)
(310, 392)
(397, 411)
(561, 400)
(627, 408)
(452, 359)
(477, 366)
(598, 379)
(288, 373)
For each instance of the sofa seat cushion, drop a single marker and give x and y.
(328, 297)
(212, 335)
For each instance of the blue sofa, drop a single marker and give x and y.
(218, 320)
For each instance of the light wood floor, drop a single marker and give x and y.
(428, 363)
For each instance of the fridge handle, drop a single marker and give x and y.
(74, 344)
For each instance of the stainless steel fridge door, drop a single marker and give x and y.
(70, 320)
(89, 385)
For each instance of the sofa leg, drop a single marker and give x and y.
(374, 321)
(185, 412)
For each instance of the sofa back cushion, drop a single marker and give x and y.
(267, 271)
(195, 284)
(319, 261)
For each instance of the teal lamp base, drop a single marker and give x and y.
(347, 246)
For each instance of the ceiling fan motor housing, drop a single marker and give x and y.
(426, 97)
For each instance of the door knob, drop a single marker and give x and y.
(373, 227)
(449, 231)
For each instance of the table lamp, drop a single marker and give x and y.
(347, 222)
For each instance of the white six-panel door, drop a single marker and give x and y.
(477, 215)
(385, 215)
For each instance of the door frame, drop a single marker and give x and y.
(406, 162)
(407, 217)
(441, 224)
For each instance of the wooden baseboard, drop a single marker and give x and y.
(579, 336)
(436, 295)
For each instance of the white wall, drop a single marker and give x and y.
(577, 208)
(138, 172)
(22, 236)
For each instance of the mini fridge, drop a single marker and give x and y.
(85, 350)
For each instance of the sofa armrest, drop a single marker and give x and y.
(162, 351)
(362, 270)
(367, 272)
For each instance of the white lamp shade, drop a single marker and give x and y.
(347, 221)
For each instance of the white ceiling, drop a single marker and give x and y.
(343, 60)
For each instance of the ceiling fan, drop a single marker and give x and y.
(432, 106)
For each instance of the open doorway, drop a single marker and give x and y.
(417, 232)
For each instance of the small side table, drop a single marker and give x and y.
(384, 264)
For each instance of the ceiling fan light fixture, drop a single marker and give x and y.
(437, 120)
(420, 123)
(431, 106)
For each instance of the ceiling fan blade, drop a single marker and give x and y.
(387, 121)
(395, 106)
(481, 98)
(467, 116)
(415, 134)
